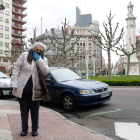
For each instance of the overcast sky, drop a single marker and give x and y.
(53, 12)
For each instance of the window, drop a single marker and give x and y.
(80, 44)
(19, 17)
(97, 57)
(90, 51)
(6, 36)
(94, 51)
(19, 4)
(13, 23)
(83, 44)
(89, 57)
(19, 10)
(89, 38)
(6, 44)
(6, 20)
(94, 44)
(19, 32)
(1, 43)
(1, 19)
(6, 28)
(19, 25)
(1, 11)
(7, 5)
(1, 27)
(13, 31)
(89, 44)
(13, 1)
(0, 51)
(71, 44)
(13, 16)
(13, 8)
(7, 13)
(1, 35)
(19, 39)
(5, 60)
(77, 44)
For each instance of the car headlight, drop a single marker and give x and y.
(86, 91)
(6, 85)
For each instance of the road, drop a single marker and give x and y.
(123, 107)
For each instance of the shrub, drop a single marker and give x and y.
(122, 83)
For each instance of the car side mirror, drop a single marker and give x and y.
(48, 80)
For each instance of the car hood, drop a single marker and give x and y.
(5, 81)
(85, 84)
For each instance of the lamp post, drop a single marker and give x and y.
(2, 7)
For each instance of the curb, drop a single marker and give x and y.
(124, 86)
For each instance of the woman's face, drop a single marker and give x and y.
(38, 49)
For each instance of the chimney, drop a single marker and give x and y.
(45, 30)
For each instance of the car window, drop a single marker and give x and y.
(48, 76)
(3, 76)
(62, 75)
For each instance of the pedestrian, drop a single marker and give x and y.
(27, 72)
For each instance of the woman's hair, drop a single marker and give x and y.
(38, 43)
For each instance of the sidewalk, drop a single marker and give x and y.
(52, 125)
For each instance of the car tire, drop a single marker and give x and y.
(1, 94)
(69, 102)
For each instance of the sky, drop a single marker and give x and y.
(53, 12)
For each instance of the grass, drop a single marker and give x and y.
(117, 78)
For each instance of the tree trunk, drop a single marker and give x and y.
(128, 64)
(109, 64)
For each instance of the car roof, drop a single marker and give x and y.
(52, 68)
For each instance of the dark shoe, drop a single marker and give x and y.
(34, 133)
(23, 133)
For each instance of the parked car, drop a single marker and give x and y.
(72, 90)
(5, 88)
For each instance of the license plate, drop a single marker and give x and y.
(105, 95)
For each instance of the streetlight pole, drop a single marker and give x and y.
(2, 7)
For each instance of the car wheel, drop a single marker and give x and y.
(69, 102)
(1, 94)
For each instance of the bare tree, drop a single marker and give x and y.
(109, 40)
(135, 49)
(63, 45)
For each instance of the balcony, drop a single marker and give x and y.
(19, 28)
(17, 35)
(19, 6)
(23, 2)
(18, 13)
(20, 21)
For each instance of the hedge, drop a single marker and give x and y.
(122, 83)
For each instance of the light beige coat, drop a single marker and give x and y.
(22, 71)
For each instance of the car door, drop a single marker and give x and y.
(52, 88)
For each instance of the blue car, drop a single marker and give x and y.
(72, 90)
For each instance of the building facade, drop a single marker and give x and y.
(11, 28)
(94, 53)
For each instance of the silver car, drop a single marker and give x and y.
(5, 88)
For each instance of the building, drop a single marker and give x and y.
(94, 52)
(120, 65)
(11, 28)
(103, 65)
(82, 20)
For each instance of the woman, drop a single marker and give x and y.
(25, 80)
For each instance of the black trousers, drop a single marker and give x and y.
(27, 104)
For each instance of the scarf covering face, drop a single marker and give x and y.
(44, 90)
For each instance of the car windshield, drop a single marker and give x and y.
(3, 76)
(62, 75)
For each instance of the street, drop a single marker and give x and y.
(122, 108)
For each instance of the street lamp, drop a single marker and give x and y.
(1, 5)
